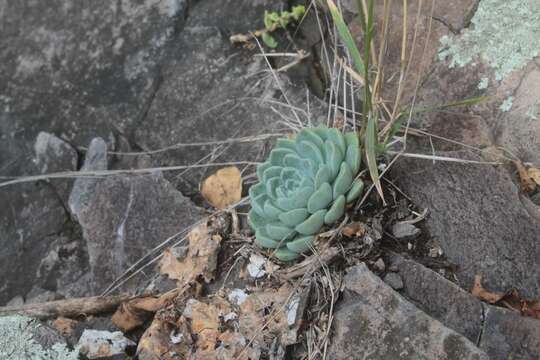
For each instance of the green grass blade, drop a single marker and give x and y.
(371, 154)
(465, 102)
(346, 36)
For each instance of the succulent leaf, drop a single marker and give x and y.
(305, 184)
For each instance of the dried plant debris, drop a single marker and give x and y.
(199, 259)
(224, 188)
(136, 312)
(510, 299)
(232, 324)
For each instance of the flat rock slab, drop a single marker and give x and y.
(501, 333)
(478, 218)
(126, 217)
(375, 322)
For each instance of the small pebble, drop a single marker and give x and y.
(405, 231)
(394, 280)
(379, 265)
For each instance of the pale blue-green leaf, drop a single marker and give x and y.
(333, 157)
(256, 221)
(343, 181)
(298, 200)
(312, 224)
(294, 217)
(278, 231)
(301, 244)
(320, 199)
(257, 203)
(271, 186)
(337, 138)
(336, 211)
(324, 175)
(271, 172)
(271, 211)
(261, 168)
(310, 136)
(262, 239)
(277, 155)
(355, 191)
(353, 155)
(286, 143)
(285, 254)
(311, 151)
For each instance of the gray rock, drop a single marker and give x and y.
(28, 218)
(478, 219)
(405, 231)
(374, 322)
(25, 338)
(16, 301)
(53, 154)
(442, 299)
(95, 159)
(499, 332)
(126, 217)
(507, 335)
(235, 96)
(99, 344)
(394, 280)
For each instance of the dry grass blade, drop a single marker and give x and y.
(371, 155)
(346, 37)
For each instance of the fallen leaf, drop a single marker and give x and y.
(64, 326)
(136, 312)
(511, 299)
(223, 188)
(356, 229)
(163, 340)
(527, 184)
(481, 293)
(200, 259)
(534, 174)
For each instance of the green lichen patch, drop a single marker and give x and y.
(17, 341)
(503, 33)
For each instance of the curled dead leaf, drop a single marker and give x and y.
(64, 326)
(481, 293)
(511, 299)
(134, 313)
(356, 229)
(224, 188)
(534, 174)
(526, 182)
(200, 259)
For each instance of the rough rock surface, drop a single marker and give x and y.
(374, 322)
(499, 332)
(126, 217)
(83, 188)
(477, 217)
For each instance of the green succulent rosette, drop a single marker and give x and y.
(303, 185)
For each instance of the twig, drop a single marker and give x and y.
(69, 308)
(309, 265)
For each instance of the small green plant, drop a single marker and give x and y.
(305, 183)
(274, 21)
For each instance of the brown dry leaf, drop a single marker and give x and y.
(354, 229)
(134, 313)
(526, 182)
(224, 188)
(534, 174)
(201, 257)
(163, 340)
(481, 293)
(64, 326)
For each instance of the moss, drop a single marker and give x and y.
(503, 33)
(17, 341)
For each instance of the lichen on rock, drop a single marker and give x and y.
(18, 341)
(503, 33)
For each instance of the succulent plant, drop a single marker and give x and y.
(303, 185)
